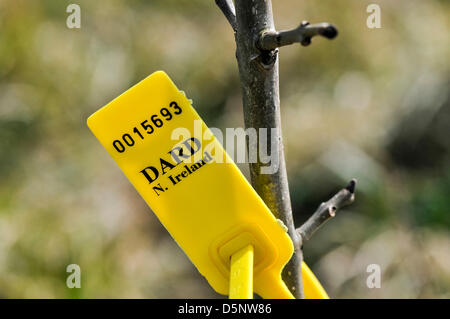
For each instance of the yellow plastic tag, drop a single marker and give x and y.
(190, 183)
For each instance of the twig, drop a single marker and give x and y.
(228, 10)
(327, 210)
(270, 40)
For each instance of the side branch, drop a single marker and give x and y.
(326, 210)
(270, 40)
(228, 10)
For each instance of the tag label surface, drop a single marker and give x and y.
(207, 206)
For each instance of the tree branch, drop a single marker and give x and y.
(270, 40)
(258, 71)
(257, 58)
(228, 10)
(326, 210)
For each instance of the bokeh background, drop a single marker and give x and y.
(371, 104)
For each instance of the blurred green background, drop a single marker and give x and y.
(371, 104)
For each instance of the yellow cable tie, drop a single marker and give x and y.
(241, 274)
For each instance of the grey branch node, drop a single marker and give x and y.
(229, 11)
(303, 34)
(326, 210)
